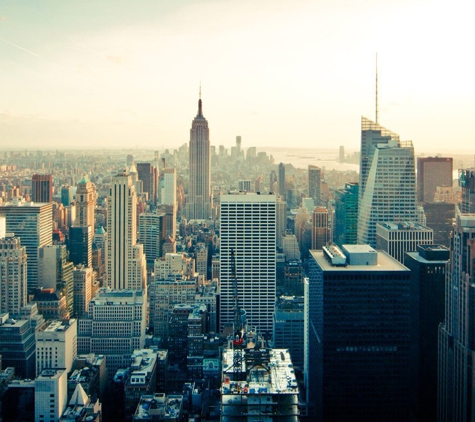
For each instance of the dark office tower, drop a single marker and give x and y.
(80, 245)
(467, 185)
(433, 172)
(359, 343)
(456, 392)
(199, 201)
(147, 175)
(427, 267)
(42, 188)
(17, 345)
(67, 195)
(314, 180)
(33, 224)
(345, 228)
(281, 180)
(387, 188)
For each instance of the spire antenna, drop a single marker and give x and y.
(377, 106)
(200, 108)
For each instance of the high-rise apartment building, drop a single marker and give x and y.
(13, 271)
(431, 173)
(387, 187)
(199, 201)
(248, 222)
(42, 188)
(33, 224)
(359, 335)
(126, 267)
(345, 227)
(85, 203)
(314, 180)
(320, 228)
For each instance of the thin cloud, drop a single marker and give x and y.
(85, 47)
(116, 59)
(19, 47)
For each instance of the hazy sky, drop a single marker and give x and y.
(122, 73)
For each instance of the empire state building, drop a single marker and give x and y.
(199, 202)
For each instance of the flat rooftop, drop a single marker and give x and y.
(384, 262)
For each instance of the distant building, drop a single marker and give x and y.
(345, 228)
(320, 228)
(42, 188)
(85, 203)
(152, 230)
(314, 180)
(431, 173)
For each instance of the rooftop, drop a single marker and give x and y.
(159, 405)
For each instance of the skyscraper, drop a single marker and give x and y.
(433, 172)
(320, 229)
(199, 200)
(147, 174)
(85, 202)
(124, 263)
(33, 224)
(387, 188)
(456, 392)
(152, 235)
(248, 227)
(314, 179)
(345, 228)
(13, 291)
(358, 335)
(42, 188)
(281, 181)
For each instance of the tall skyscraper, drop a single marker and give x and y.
(281, 181)
(33, 224)
(314, 180)
(248, 227)
(199, 201)
(358, 335)
(126, 266)
(80, 245)
(85, 202)
(467, 184)
(13, 270)
(387, 188)
(345, 228)
(42, 188)
(428, 271)
(147, 174)
(433, 172)
(456, 392)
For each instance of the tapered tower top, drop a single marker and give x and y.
(200, 106)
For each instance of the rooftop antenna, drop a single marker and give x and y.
(377, 110)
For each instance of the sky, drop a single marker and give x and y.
(280, 73)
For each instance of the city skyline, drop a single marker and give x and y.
(97, 73)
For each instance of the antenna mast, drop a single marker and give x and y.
(377, 108)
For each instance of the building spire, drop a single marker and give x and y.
(200, 107)
(377, 107)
